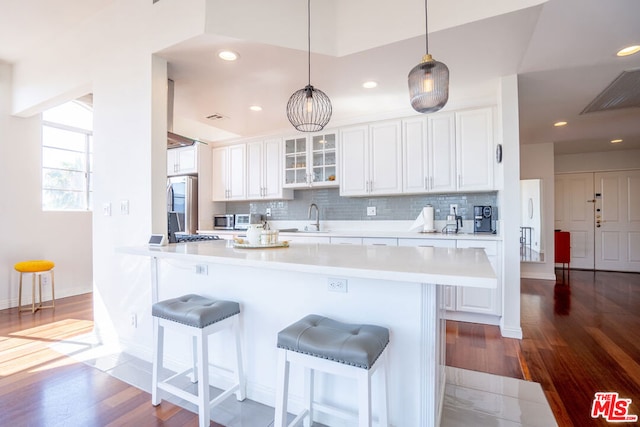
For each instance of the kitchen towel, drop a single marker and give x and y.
(424, 221)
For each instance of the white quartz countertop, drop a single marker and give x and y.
(445, 266)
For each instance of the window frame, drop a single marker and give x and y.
(87, 152)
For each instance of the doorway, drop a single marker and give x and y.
(601, 210)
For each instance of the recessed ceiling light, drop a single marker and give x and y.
(558, 124)
(255, 108)
(629, 50)
(228, 55)
(615, 141)
(369, 85)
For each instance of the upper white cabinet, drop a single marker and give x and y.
(264, 170)
(310, 161)
(229, 173)
(182, 160)
(474, 149)
(448, 152)
(371, 160)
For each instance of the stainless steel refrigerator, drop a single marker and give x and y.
(182, 198)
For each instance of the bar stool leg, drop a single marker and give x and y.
(204, 409)
(194, 359)
(53, 290)
(364, 399)
(282, 389)
(384, 398)
(309, 375)
(40, 290)
(241, 393)
(158, 338)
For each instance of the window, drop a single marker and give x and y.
(67, 161)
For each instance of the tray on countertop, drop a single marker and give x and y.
(283, 244)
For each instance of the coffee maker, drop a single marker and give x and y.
(483, 219)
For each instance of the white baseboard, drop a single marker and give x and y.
(539, 276)
(60, 293)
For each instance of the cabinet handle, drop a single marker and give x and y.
(426, 183)
(431, 183)
(459, 180)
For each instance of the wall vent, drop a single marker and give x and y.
(623, 92)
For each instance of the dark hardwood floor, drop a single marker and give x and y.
(580, 337)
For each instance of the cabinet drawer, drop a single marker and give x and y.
(346, 240)
(380, 241)
(436, 243)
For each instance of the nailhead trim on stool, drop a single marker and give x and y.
(198, 317)
(320, 343)
(36, 268)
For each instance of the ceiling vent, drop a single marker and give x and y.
(623, 92)
(216, 116)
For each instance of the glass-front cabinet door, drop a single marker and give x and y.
(310, 161)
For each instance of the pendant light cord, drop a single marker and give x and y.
(309, 39)
(426, 28)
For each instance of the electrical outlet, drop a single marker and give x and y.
(133, 320)
(268, 212)
(202, 269)
(371, 211)
(124, 207)
(336, 285)
(453, 209)
(106, 209)
(45, 279)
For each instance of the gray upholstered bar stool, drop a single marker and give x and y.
(320, 343)
(198, 317)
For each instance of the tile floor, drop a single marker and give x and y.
(471, 398)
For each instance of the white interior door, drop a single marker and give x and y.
(574, 212)
(617, 217)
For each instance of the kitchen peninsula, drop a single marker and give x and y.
(395, 287)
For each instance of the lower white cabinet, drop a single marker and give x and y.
(478, 300)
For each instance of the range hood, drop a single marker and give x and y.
(173, 139)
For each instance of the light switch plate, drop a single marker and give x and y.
(371, 211)
(106, 209)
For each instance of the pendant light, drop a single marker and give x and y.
(429, 80)
(309, 109)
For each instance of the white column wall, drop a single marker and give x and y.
(509, 214)
(27, 231)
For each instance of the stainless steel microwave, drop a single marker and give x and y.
(223, 222)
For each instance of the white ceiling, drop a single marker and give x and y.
(562, 50)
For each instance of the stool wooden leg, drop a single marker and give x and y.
(40, 290)
(364, 399)
(204, 409)
(20, 294)
(33, 292)
(53, 291)
(158, 346)
(282, 389)
(241, 394)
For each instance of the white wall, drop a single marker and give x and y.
(537, 161)
(28, 232)
(598, 162)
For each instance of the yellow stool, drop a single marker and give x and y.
(36, 268)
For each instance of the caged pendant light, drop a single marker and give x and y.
(429, 80)
(309, 109)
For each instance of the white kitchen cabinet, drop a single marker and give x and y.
(305, 238)
(380, 241)
(310, 161)
(229, 173)
(474, 149)
(371, 160)
(182, 160)
(346, 240)
(264, 171)
(478, 300)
